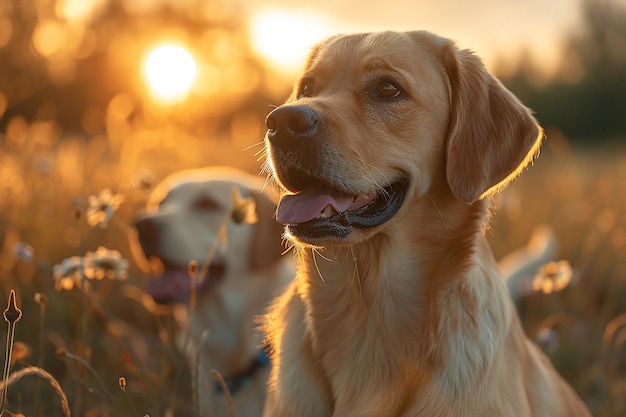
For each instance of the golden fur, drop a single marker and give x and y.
(411, 317)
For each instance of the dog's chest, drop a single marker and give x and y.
(375, 334)
(366, 326)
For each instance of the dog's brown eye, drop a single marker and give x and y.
(306, 90)
(387, 89)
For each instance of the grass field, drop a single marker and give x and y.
(88, 336)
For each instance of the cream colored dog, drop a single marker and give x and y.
(187, 214)
(387, 151)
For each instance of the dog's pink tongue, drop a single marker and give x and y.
(306, 205)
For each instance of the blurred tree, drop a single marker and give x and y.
(586, 98)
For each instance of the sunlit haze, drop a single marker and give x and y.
(170, 71)
(78, 9)
(284, 38)
(282, 30)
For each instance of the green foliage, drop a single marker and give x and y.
(586, 98)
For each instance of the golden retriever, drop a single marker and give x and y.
(387, 152)
(187, 214)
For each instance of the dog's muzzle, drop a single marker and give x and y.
(173, 284)
(319, 209)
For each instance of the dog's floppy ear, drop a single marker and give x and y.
(491, 136)
(267, 242)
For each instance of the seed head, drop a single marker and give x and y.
(12, 313)
(41, 299)
(192, 269)
(122, 383)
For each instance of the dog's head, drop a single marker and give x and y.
(188, 221)
(377, 120)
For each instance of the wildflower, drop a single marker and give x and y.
(23, 251)
(68, 273)
(102, 208)
(105, 263)
(244, 209)
(553, 277)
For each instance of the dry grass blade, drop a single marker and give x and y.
(613, 341)
(229, 398)
(34, 370)
(64, 354)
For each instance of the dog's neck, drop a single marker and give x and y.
(417, 262)
(374, 291)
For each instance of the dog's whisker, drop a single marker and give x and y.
(266, 168)
(288, 246)
(288, 249)
(441, 217)
(262, 156)
(355, 274)
(260, 153)
(314, 251)
(386, 195)
(269, 179)
(344, 260)
(383, 178)
(254, 145)
(322, 256)
(347, 258)
(368, 168)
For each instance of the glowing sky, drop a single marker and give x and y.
(489, 27)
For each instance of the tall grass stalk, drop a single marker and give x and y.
(99, 307)
(122, 385)
(229, 398)
(78, 216)
(613, 342)
(41, 300)
(197, 277)
(12, 314)
(106, 394)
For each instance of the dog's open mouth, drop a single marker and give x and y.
(318, 212)
(175, 285)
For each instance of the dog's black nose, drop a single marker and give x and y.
(149, 234)
(288, 125)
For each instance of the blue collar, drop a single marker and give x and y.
(235, 382)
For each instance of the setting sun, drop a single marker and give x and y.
(284, 38)
(170, 71)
